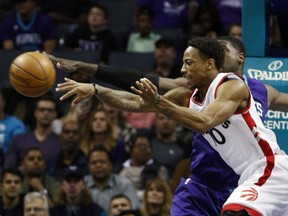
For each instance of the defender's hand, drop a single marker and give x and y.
(63, 64)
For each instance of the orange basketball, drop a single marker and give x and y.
(32, 74)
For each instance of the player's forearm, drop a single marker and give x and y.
(186, 117)
(280, 103)
(121, 99)
(87, 68)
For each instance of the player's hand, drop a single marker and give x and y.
(63, 64)
(80, 91)
(146, 90)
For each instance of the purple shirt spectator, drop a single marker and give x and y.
(20, 143)
(31, 35)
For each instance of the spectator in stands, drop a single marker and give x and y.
(157, 198)
(41, 137)
(226, 12)
(144, 39)
(170, 13)
(35, 178)
(11, 200)
(95, 35)
(209, 23)
(9, 127)
(167, 149)
(165, 59)
(73, 198)
(119, 203)
(28, 29)
(70, 154)
(141, 167)
(103, 183)
(235, 30)
(36, 203)
(99, 132)
(208, 18)
(122, 128)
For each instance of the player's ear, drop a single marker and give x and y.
(241, 58)
(210, 64)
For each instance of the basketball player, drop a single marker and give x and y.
(223, 113)
(203, 156)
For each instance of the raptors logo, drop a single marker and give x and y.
(250, 195)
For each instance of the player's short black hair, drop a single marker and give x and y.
(209, 48)
(236, 43)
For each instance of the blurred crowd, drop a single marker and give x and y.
(92, 159)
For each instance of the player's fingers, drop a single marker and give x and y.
(147, 83)
(140, 86)
(67, 95)
(51, 57)
(66, 84)
(135, 90)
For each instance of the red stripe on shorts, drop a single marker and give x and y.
(238, 207)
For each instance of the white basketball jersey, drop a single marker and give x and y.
(242, 140)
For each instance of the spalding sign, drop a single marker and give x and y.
(272, 71)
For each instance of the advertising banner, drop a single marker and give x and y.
(274, 72)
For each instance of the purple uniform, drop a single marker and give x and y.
(212, 180)
(28, 36)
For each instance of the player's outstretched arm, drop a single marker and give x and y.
(123, 77)
(72, 66)
(119, 99)
(277, 101)
(232, 96)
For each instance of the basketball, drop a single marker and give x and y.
(32, 74)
